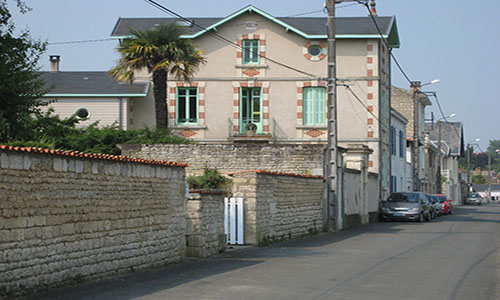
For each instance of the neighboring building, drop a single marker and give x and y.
(401, 179)
(94, 96)
(414, 110)
(430, 172)
(453, 147)
(241, 84)
(482, 189)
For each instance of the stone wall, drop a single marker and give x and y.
(237, 157)
(279, 205)
(205, 223)
(66, 216)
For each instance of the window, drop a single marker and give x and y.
(251, 52)
(402, 149)
(314, 106)
(187, 106)
(383, 109)
(82, 113)
(314, 50)
(393, 141)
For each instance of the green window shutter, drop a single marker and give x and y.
(251, 51)
(314, 106)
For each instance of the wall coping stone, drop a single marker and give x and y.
(277, 173)
(207, 192)
(96, 156)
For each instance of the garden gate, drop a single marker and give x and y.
(234, 220)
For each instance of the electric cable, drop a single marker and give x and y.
(225, 40)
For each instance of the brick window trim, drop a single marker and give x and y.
(172, 98)
(264, 85)
(305, 51)
(300, 99)
(262, 51)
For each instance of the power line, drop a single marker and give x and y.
(80, 42)
(386, 43)
(225, 40)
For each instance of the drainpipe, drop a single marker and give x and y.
(120, 112)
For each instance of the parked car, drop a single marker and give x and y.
(437, 205)
(446, 204)
(473, 198)
(411, 206)
(432, 207)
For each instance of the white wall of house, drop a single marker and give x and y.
(399, 173)
(107, 111)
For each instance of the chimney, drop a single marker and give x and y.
(54, 62)
(373, 11)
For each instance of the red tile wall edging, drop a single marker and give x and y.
(78, 154)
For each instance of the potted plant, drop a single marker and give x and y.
(251, 129)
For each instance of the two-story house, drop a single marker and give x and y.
(453, 147)
(272, 75)
(413, 108)
(401, 179)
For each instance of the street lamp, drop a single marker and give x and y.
(415, 87)
(439, 188)
(489, 174)
(468, 161)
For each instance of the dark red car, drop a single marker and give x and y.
(446, 204)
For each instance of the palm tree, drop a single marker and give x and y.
(161, 51)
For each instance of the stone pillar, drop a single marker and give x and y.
(357, 158)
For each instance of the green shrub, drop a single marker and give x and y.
(211, 179)
(49, 131)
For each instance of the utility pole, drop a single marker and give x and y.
(468, 167)
(332, 168)
(415, 88)
(332, 183)
(489, 177)
(440, 159)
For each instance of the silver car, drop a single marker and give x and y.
(473, 198)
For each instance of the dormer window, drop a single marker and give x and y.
(251, 51)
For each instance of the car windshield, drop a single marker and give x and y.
(403, 197)
(473, 195)
(442, 199)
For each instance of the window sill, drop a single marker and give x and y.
(252, 66)
(188, 126)
(322, 127)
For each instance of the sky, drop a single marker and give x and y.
(456, 41)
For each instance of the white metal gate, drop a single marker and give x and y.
(233, 220)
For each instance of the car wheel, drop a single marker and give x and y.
(428, 216)
(421, 218)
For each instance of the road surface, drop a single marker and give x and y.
(452, 257)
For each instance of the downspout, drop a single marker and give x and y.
(120, 112)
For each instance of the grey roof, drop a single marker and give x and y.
(90, 83)
(310, 26)
(451, 135)
(484, 187)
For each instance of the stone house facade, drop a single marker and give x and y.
(273, 74)
(414, 110)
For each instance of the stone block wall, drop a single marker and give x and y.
(237, 157)
(279, 205)
(67, 216)
(205, 223)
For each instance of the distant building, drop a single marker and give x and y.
(95, 97)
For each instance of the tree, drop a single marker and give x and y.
(161, 51)
(479, 179)
(21, 90)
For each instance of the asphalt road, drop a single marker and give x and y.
(453, 257)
